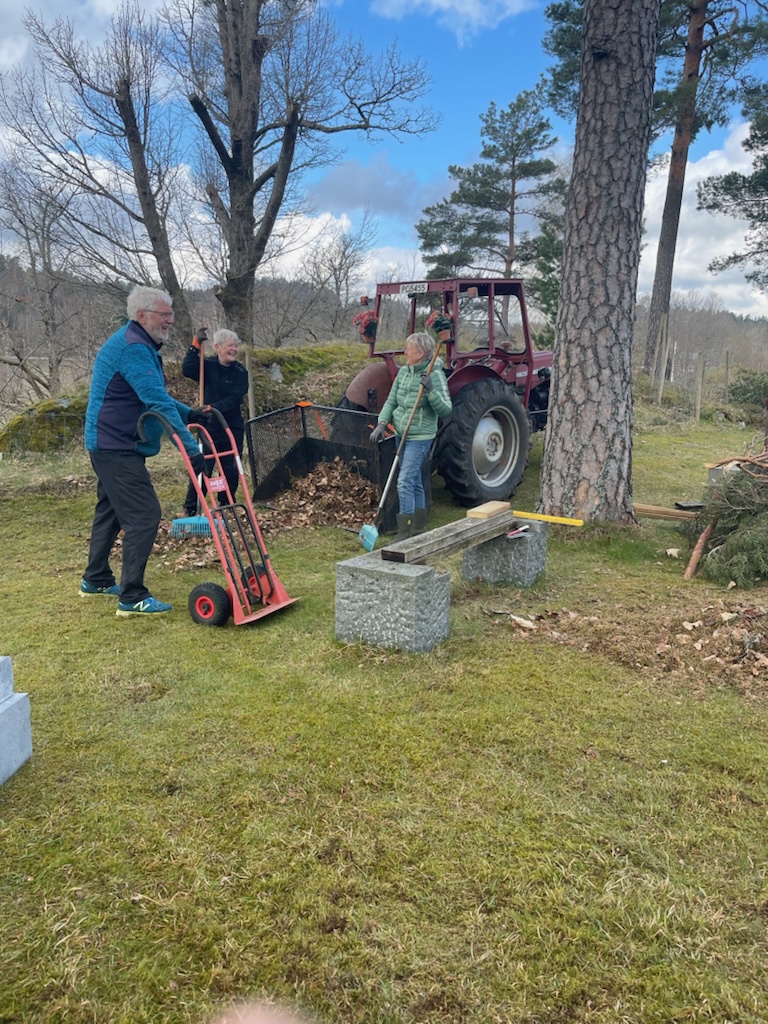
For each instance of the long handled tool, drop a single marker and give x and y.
(369, 534)
(198, 524)
(201, 337)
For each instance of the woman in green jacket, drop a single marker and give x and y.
(435, 402)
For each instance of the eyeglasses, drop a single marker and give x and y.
(161, 313)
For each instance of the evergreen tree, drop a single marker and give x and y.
(477, 229)
(746, 195)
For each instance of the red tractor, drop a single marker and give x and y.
(498, 383)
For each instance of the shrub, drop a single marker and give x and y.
(749, 388)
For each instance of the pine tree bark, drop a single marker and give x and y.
(587, 466)
(673, 202)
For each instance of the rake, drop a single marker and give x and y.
(195, 526)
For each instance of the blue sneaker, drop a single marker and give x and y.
(149, 606)
(88, 590)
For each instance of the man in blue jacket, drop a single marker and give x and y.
(127, 381)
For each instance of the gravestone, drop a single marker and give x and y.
(15, 724)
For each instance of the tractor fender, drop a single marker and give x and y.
(469, 373)
(375, 375)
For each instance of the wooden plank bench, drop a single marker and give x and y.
(391, 598)
(443, 540)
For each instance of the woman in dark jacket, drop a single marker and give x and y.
(225, 384)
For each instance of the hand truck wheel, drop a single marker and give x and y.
(209, 605)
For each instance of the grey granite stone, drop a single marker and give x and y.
(518, 560)
(390, 604)
(15, 724)
(6, 677)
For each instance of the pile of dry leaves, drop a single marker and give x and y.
(726, 642)
(333, 494)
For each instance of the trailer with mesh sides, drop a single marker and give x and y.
(289, 443)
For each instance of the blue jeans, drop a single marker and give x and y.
(410, 488)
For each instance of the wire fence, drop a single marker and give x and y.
(694, 389)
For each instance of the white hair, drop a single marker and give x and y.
(223, 335)
(144, 297)
(424, 343)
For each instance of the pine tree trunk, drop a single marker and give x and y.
(586, 470)
(670, 219)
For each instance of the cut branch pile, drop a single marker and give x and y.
(730, 535)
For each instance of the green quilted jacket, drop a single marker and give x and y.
(432, 406)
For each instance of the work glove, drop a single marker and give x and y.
(378, 432)
(426, 382)
(198, 463)
(200, 414)
(200, 337)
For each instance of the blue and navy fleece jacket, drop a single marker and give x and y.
(128, 380)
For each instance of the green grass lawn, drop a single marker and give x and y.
(541, 825)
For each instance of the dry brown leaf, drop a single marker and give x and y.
(516, 620)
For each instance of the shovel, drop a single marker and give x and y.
(369, 534)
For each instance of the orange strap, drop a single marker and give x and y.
(321, 425)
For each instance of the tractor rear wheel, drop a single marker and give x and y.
(483, 447)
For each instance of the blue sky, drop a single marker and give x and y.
(476, 51)
(484, 50)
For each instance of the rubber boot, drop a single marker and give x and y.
(419, 521)
(404, 526)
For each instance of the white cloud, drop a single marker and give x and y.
(702, 236)
(89, 18)
(376, 185)
(13, 48)
(465, 18)
(391, 263)
(387, 262)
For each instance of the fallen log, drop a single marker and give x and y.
(658, 512)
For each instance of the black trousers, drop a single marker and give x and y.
(126, 501)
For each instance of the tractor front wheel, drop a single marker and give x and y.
(483, 447)
(209, 605)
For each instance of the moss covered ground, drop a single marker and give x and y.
(557, 815)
